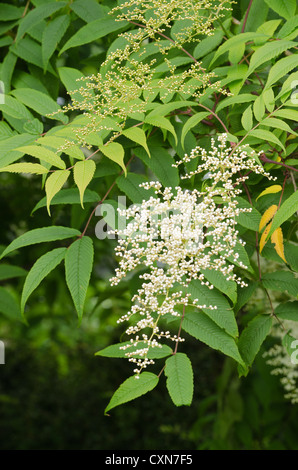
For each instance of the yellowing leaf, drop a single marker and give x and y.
(267, 216)
(277, 239)
(271, 190)
(83, 173)
(264, 236)
(54, 183)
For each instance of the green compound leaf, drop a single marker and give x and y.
(132, 388)
(54, 183)
(43, 266)
(83, 173)
(253, 336)
(179, 374)
(200, 326)
(78, 267)
(40, 235)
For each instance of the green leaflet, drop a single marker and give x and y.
(287, 311)
(40, 235)
(243, 98)
(253, 336)
(43, 266)
(88, 9)
(281, 281)
(10, 12)
(68, 196)
(7, 271)
(83, 173)
(132, 388)
(236, 41)
(15, 109)
(266, 135)
(52, 34)
(115, 152)
(35, 16)
(9, 306)
(290, 344)
(244, 294)
(179, 374)
(288, 27)
(286, 113)
(285, 8)
(161, 164)
(130, 185)
(92, 31)
(247, 119)
(281, 68)
(54, 183)
(192, 122)
(71, 79)
(286, 210)
(223, 316)
(277, 124)
(163, 123)
(137, 135)
(259, 108)
(43, 154)
(8, 146)
(249, 220)
(220, 282)
(40, 102)
(30, 51)
(78, 267)
(267, 52)
(200, 326)
(115, 350)
(208, 44)
(33, 168)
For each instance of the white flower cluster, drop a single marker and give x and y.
(177, 236)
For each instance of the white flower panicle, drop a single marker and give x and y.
(179, 236)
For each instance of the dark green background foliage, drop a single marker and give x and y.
(53, 389)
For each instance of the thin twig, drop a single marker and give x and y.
(246, 16)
